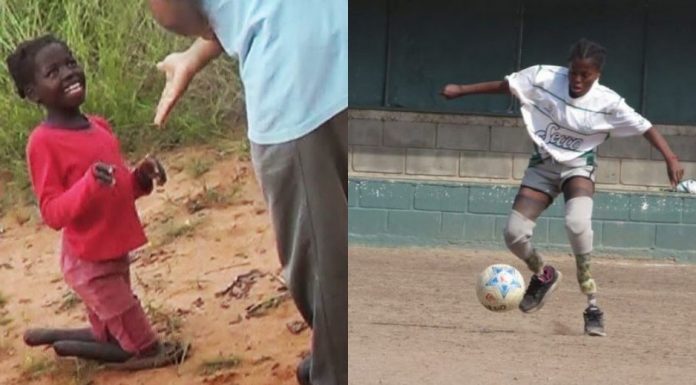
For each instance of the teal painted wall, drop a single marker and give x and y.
(403, 51)
(416, 213)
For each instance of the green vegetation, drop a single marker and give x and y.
(118, 44)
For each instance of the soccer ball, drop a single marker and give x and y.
(500, 287)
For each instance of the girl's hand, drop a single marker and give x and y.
(152, 169)
(451, 91)
(104, 173)
(675, 171)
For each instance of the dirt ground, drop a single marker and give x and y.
(415, 320)
(208, 226)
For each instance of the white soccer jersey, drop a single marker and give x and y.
(570, 129)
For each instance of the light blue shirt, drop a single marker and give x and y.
(293, 61)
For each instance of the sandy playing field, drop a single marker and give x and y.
(415, 320)
(206, 228)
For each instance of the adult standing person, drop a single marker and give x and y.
(293, 61)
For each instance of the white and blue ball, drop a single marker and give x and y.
(500, 288)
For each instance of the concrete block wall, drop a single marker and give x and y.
(472, 148)
(418, 213)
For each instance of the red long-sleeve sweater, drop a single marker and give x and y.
(99, 222)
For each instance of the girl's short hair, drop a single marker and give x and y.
(587, 49)
(22, 64)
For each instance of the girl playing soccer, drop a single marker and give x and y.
(567, 114)
(83, 187)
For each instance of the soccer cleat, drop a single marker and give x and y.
(537, 290)
(594, 321)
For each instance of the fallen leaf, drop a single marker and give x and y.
(297, 327)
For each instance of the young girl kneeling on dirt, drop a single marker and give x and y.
(84, 188)
(567, 114)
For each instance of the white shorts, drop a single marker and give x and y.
(549, 176)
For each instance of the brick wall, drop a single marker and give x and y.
(412, 212)
(469, 148)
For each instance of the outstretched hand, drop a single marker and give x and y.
(179, 69)
(451, 91)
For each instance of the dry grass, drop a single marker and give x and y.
(198, 167)
(69, 301)
(35, 367)
(165, 321)
(212, 366)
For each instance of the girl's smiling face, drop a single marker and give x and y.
(59, 81)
